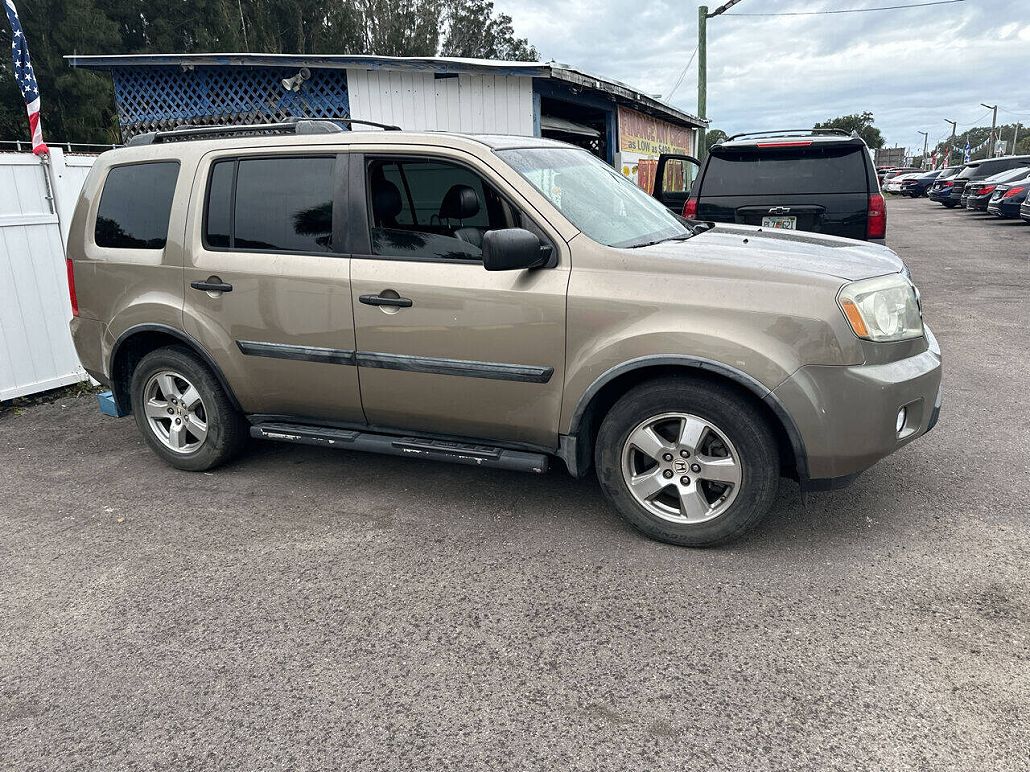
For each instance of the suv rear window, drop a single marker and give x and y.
(277, 204)
(758, 172)
(135, 206)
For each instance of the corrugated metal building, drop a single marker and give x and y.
(618, 123)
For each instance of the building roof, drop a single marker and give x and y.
(619, 92)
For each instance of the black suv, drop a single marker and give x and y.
(821, 181)
(949, 192)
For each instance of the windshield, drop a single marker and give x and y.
(595, 198)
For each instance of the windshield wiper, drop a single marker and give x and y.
(682, 237)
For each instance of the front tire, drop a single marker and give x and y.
(688, 462)
(182, 411)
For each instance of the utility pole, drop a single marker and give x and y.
(994, 123)
(1015, 137)
(702, 66)
(926, 139)
(951, 142)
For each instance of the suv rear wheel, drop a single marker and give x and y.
(688, 462)
(182, 412)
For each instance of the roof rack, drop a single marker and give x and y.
(299, 126)
(791, 133)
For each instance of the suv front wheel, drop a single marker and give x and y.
(182, 412)
(688, 462)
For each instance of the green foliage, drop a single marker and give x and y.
(860, 122)
(78, 105)
(474, 30)
(712, 136)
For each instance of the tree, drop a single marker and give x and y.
(78, 105)
(860, 122)
(475, 31)
(712, 136)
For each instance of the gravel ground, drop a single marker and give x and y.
(306, 609)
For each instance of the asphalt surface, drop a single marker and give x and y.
(310, 609)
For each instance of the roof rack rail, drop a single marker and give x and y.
(790, 133)
(299, 126)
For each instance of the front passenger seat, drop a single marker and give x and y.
(462, 203)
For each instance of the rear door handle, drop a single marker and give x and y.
(213, 284)
(380, 300)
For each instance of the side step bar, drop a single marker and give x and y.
(411, 447)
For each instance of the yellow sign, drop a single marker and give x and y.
(649, 136)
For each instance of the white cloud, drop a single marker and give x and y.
(912, 68)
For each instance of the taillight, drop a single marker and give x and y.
(985, 189)
(690, 208)
(1013, 191)
(71, 287)
(876, 218)
(947, 184)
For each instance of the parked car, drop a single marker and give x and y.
(893, 184)
(976, 171)
(917, 185)
(1024, 210)
(491, 301)
(891, 172)
(978, 194)
(822, 183)
(1007, 198)
(940, 190)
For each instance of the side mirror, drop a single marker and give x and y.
(512, 249)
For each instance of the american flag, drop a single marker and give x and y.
(25, 77)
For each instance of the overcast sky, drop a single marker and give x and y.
(912, 68)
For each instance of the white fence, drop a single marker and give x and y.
(36, 351)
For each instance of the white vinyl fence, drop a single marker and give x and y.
(36, 351)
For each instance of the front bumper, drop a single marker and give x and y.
(847, 415)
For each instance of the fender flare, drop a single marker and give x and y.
(185, 338)
(572, 449)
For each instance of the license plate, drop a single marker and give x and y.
(785, 223)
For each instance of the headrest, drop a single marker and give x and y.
(460, 203)
(386, 200)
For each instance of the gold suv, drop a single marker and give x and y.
(492, 301)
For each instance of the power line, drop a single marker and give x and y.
(683, 74)
(850, 10)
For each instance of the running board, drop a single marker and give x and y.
(410, 447)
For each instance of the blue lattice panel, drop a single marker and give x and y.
(161, 98)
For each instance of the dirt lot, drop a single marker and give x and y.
(308, 609)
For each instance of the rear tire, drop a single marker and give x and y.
(718, 447)
(949, 204)
(182, 411)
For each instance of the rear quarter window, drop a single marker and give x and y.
(757, 172)
(135, 206)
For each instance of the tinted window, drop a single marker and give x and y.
(282, 204)
(135, 206)
(754, 172)
(433, 209)
(218, 216)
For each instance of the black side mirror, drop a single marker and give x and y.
(512, 249)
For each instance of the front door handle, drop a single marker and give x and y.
(385, 300)
(213, 284)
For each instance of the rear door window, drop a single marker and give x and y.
(758, 172)
(136, 205)
(271, 204)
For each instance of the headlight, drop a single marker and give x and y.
(882, 309)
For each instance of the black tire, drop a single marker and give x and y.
(949, 204)
(227, 430)
(734, 415)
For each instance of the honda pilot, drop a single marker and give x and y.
(494, 301)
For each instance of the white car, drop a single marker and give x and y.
(893, 185)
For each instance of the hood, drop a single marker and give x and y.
(788, 250)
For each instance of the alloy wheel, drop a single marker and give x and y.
(175, 412)
(681, 468)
